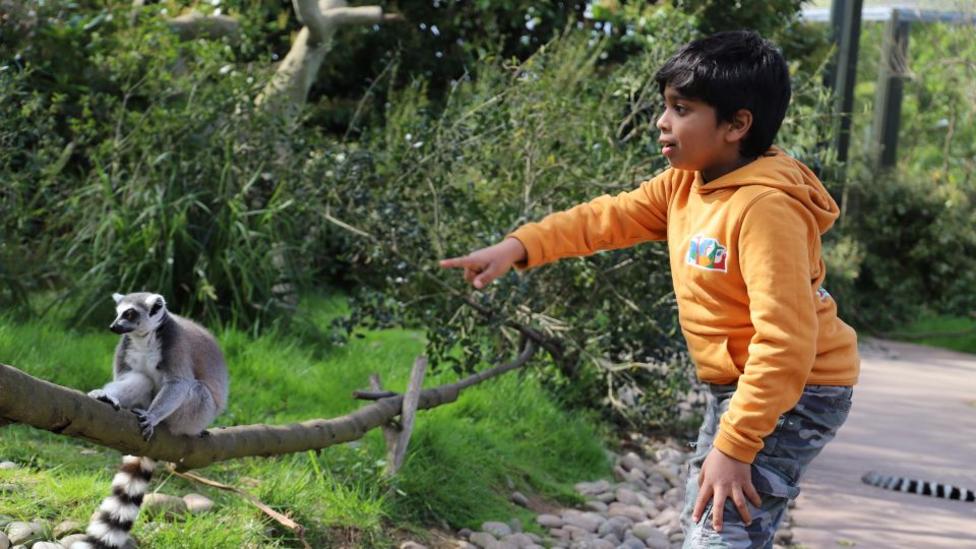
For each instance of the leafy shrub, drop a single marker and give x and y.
(906, 239)
(523, 140)
(155, 171)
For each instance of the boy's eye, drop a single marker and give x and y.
(680, 109)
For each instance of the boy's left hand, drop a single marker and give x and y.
(722, 477)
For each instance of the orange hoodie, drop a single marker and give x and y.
(747, 270)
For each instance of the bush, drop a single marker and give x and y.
(149, 169)
(524, 140)
(906, 241)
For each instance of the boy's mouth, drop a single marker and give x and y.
(667, 146)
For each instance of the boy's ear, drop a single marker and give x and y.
(739, 126)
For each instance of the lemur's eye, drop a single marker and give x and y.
(129, 315)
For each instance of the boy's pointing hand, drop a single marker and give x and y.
(485, 265)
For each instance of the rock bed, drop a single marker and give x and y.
(639, 510)
(41, 534)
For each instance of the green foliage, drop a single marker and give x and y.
(459, 464)
(149, 168)
(907, 241)
(915, 244)
(521, 141)
(31, 157)
(956, 333)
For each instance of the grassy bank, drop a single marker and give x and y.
(463, 460)
(949, 332)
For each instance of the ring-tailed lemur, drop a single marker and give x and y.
(169, 371)
(922, 487)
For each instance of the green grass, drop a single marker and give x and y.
(956, 333)
(462, 460)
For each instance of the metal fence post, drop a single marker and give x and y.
(892, 72)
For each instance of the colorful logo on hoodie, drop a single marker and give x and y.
(823, 294)
(707, 253)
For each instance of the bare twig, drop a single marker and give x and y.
(407, 413)
(553, 347)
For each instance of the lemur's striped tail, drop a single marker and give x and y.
(922, 487)
(110, 525)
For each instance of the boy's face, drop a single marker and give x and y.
(692, 137)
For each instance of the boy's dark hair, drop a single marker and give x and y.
(730, 71)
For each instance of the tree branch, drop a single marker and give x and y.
(65, 411)
(194, 25)
(295, 75)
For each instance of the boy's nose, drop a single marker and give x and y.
(662, 123)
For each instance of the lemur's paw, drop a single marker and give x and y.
(147, 424)
(204, 433)
(99, 394)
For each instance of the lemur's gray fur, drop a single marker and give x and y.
(169, 371)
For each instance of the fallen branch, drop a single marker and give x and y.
(62, 410)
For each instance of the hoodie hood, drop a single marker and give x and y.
(778, 170)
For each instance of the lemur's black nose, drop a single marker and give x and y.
(117, 328)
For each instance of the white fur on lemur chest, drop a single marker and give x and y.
(143, 355)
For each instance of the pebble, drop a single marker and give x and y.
(587, 521)
(412, 545)
(482, 539)
(549, 521)
(518, 498)
(627, 496)
(68, 540)
(67, 527)
(164, 504)
(25, 532)
(641, 510)
(4, 541)
(8, 465)
(496, 529)
(47, 545)
(518, 540)
(197, 504)
(592, 488)
(596, 506)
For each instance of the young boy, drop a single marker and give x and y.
(743, 222)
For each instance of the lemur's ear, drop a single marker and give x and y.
(155, 302)
(117, 298)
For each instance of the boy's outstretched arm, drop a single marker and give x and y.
(485, 265)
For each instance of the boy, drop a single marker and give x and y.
(743, 222)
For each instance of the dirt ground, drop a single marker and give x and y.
(914, 414)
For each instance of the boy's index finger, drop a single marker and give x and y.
(456, 262)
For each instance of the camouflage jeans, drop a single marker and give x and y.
(799, 436)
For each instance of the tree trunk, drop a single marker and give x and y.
(295, 75)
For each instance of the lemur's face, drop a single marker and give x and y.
(138, 313)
